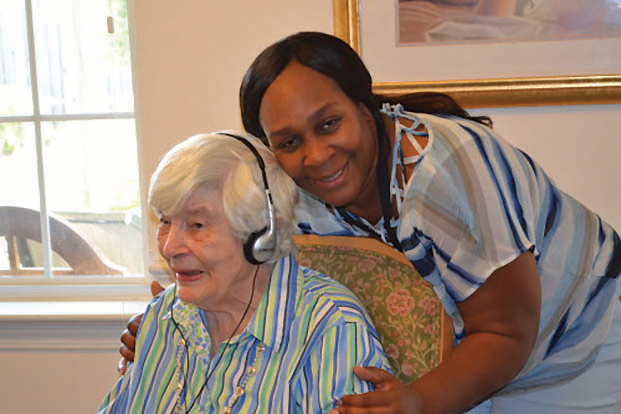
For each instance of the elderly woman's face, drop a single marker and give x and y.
(202, 251)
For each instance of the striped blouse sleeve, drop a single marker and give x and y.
(123, 393)
(116, 399)
(328, 373)
(477, 205)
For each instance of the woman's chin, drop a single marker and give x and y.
(334, 198)
(191, 294)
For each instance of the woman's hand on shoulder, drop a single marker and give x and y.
(390, 395)
(128, 337)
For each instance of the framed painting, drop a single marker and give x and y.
(544, 71)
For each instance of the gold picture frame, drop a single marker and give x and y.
(490, 93)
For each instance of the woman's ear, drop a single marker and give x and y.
(366, 113)
(367, 116)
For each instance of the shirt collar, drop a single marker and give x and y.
(191, 321)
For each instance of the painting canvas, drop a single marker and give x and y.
(433, 21)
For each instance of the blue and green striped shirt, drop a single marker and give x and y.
(296, 355)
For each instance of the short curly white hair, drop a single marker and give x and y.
(225, 162)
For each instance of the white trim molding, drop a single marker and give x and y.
(79, 326)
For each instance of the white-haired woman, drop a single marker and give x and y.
(238, 332)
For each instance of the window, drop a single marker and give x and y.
(70, 212)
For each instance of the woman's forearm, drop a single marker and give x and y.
(501, 321)
(481, 364)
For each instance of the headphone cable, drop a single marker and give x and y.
(228, 342)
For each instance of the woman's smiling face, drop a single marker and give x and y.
(326, 142)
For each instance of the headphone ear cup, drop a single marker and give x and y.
(250, 246)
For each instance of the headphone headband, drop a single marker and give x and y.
(261, 245)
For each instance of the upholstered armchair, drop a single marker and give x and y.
(414, 329)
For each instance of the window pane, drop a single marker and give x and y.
(28, 255)
(31, 256)
(4, 254)
(15, 91)
(92, 188)
(81, 67)
(19, 199)
(18, 165)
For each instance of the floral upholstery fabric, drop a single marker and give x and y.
(406, 312)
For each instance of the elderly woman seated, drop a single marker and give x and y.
(243, 328)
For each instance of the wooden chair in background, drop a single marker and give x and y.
(18, 224)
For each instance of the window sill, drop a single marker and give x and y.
(65, 291)
(77, 326)
(65, 311)
(63, 317)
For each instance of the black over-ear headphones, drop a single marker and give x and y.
(261, 245)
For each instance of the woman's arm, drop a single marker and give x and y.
(501, 323)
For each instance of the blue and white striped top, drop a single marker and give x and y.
(296, 355)
(474, 203)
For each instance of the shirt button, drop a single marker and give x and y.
(226, 410)
(179, 387)
(239, 391)
(260, 348)
(251, 371)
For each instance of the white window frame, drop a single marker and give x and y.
(47, 288)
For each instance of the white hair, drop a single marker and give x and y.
(223, 161)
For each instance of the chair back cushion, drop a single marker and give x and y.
(413, 327)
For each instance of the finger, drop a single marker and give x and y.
(401, 400)
(136, 318)
(129, 340)
(126, 353)
(377, 376)
(134, 323)
(375, 399)
(122, 367)
(156, 288)
(362, 410)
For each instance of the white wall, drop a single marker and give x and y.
(190, 56)
(58, 365)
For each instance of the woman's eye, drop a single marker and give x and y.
(330, 125)
(289, 143)
(163, 227)
(198, 226)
